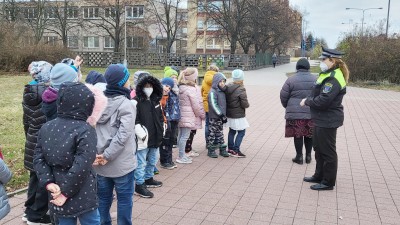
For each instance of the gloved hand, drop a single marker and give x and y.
(223, 118)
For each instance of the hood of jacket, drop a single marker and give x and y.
(100, 103)
(113, 104)
(75, 101)
(216, 79)
(208, 77)
(157, 88)
(50, 95)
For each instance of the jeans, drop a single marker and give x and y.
(147, 160)
(37, 202)
(206, 128)
(234, 144)
(183, 136)
(88, 218)
(124, 187)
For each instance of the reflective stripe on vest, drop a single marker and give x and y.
(337, 74)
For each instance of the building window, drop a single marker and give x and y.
(91, 42)
(109, 12)
(72, 13)
(184, 30)
(227, 44)
(213, 43)
(30, 13)
(50, 13)
(134, 42)
(91, 13)
(133, 12)
(108, 42)
(49, 40)
(211, 25)
(200, 25)
(72, 42)
(183, 16)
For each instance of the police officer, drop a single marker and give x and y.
(327, 113)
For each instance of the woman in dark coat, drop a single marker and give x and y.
(65, 152)
(298, 119)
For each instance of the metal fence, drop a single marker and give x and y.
(143, 60)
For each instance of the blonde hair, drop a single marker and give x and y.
(240, 82)
(343, 67)
(213, 67)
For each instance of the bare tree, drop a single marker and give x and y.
(165, 13)
(34, 17)
(10, 10)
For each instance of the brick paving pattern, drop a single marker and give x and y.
(266, 187)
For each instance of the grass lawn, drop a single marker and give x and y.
(11, 129)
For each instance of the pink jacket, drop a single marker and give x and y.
(191, 106)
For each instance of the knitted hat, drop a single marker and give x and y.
(237, 75)
(61, 73)
(168, 81)
(171, 72)
(190, 74)
(302, 64)
(116, 75)
(95, 77)
(40, 71)
(137, 75)
(176, 68)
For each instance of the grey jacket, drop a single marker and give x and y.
(5, 177)
(293, 91)
(216, 98)
(116, 137)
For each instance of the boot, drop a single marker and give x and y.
(211, 151)
(298, 159)
(222, 151)
(308, 158)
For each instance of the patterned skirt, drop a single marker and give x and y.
(299, 128)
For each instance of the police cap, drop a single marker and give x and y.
(330, 53)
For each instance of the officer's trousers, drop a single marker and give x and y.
(324, 143)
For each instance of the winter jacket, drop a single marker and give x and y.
(206, 87)
(216, 98)
(172, 111)
(49, 105)
(33, 119)
(5, 177)
(236, 101)
(116, 137)
(192, 110)
(149, 112)
(66, 150)
(326, 99)
(295, 89)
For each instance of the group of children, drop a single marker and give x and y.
(83, 141)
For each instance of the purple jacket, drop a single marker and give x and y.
(190, 103)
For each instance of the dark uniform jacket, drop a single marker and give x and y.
(326, 100)
(149, 112)
(33, 119)
(295, 89)
(236, 101)
(66, 150)
(217, 98)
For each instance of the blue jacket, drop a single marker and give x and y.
(173, 112)
(5, 177)
(216, 98)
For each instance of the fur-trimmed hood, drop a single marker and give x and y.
(157, 88)
(100, 103)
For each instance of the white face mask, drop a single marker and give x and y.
(323, 66)
(148, 91)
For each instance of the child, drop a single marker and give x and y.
(192, 112)
(116, 147)
(136, 76)
(64, 155)
(96, 79)
(236, 103)
(170, 105)
(36, 204)
(149, 130)
(217, 112)
(173, 72)
(5, 177)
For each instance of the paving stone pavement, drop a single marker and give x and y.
(266, 187)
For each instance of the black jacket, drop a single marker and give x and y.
(149, 112)
(326, 101)
(66, 150)
(33, 119)
(295, 89)
(236, 101)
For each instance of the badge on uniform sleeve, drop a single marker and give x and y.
(327, 88)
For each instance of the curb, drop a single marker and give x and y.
(11, 194)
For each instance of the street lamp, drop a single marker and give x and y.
(362, 22)
(387, 20)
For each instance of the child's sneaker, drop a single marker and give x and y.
(184, 160)
(192, 154)
(241, 155)
(152, 183)
(174, 165)
(233, 153)
(141, 190)
(167, 166)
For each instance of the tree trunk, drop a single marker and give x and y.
(233, 44)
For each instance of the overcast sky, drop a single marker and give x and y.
(325, 18)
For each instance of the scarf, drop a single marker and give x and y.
(113, 90)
